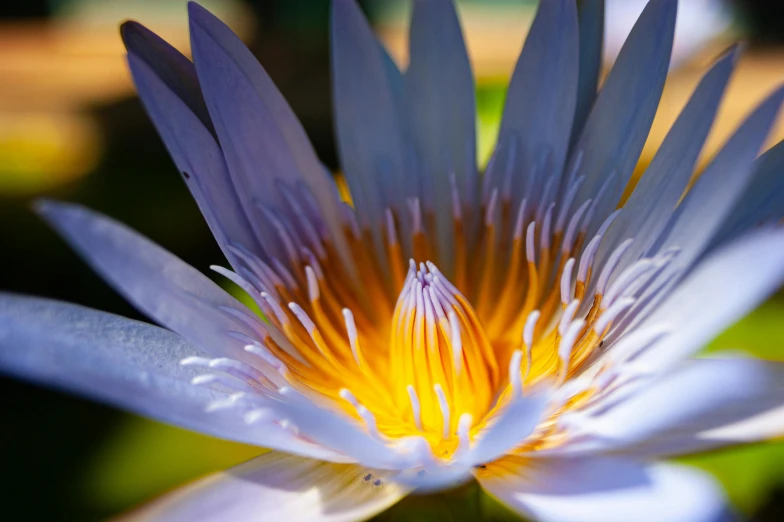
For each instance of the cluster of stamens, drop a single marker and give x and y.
(421, 352)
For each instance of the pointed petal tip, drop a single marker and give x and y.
(137, 38)
(198, 14)
(128, 30)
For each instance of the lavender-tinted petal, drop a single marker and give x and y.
(542, 94)
(708, 202)
(169, 65)
(276, 486)
(128, 364)
(621, 117)
(332, 428)
(440, 94)
(647, 210)
(161, 285)
(590, 16)
(196, 154)
(699, 396)
(720, 290)
(370, 128)
(763, 200)
(604, 489)
(513, 425)
(261, 138)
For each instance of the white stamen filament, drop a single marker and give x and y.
(443, 405)
(610, 265)
(415, 407)
(611, 313)
(516, 372)
(586, 260)
(568, 315)
(571, 229)
(530, 249)
(456, 340)
(544, 240)
(313, 287)
(351, 330)
(567, 342)
(566, 281)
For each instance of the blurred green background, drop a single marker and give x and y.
(71, 129)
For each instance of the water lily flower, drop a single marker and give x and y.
(513, 326)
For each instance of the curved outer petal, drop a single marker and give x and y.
(369, 125)
(711, 198)
(263, 142)
(540, 102)
(129, 364)
(748, 270)
(170, 66)
(603, 490)
(698, 218)
(704, 395)
(511, 427)
(192, 147)
(276, 487)
(763, 200)
(656, 195)
(442, 112)
(621, 118)
(591, 21)
(170, 291)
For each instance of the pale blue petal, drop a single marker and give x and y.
(606, 490)
(591, 21)
(763, 200)
(161, 285)
(510, 428)
(330, 427)
(700, 395)
(279, 487)
(621, 118)
(440, 94)
(171, 67)
(721, 289)
(708, 202)
(195, 153)
(540, 102)
(656, 195)
(128, 364)
(262, 140)
(369, 125)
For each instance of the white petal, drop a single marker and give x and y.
(278, 487)
(129, 364)
(369, 126)
(705, 395)
(334, 429)
(440, 93)
(512, 426)
(167, 289)
(541, 99)
(763, 200)
(261, 138)
(618, 125)
(189, 140)
(721, 289)
(719, 187)
(644, 215)
(603, 490)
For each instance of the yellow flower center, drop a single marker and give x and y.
(409, 350)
